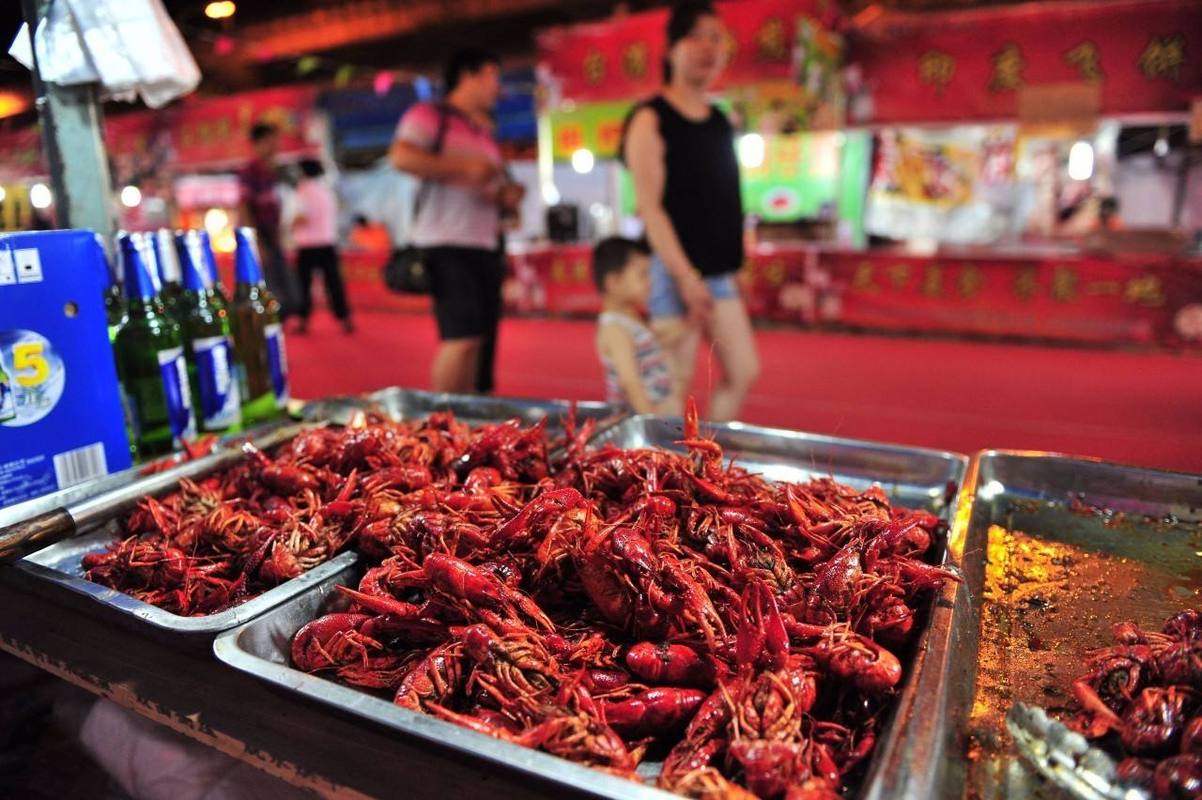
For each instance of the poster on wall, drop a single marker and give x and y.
(940, 185)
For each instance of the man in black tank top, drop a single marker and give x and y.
(680, 152)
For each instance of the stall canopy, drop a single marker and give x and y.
(1115, 58)
(365, 120)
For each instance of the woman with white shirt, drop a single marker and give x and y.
(315, 234)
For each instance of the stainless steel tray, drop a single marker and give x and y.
(59, 565)
(261, 648)
(1054, 550)
(404, 404)
(912, 476)
(57, 570)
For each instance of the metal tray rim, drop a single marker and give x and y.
(792, 434)
(1095, 460)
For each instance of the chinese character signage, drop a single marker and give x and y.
(1143, 56)
(197, 132)
(1156, 299)
(622, 59)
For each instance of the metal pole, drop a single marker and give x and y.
(73, 144)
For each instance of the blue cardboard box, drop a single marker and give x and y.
(61, 421)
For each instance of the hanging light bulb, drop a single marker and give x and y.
(751, 150)
(39, 196)
(583, 161)
(131, 197)
(1080, 161)
(220, 9)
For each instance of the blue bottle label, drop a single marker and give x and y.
(277, 362)
(220, 400)
(179, 400)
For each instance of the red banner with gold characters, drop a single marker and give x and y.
(1121, 300)
(1142, 55)
(623, 58)
(206, 132)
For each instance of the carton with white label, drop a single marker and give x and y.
(61, 421)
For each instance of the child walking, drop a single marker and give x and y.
(636, 371)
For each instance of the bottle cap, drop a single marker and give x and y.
(140, 265)
(192, 248)
(247, 266)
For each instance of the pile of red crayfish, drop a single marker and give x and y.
(1142, 697)
(635, 604)
(217, 542)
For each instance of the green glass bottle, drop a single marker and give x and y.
(208, 343)
(170, 281)
(115, 308)
(150, 358)
(258, 336)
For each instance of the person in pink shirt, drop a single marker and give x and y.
(315, 234)
(450, 147)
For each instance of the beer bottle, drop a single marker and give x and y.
(8, 401)
(150, 358)
(169, 271)
(207, 341)
(258, 335)
(115, 310)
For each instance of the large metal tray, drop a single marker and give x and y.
(1055, 549)
(916, 477)
(57, 569)
(262, 647)
(59, 565)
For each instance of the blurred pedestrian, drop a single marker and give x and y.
(259, 181)
(315, 234)
(680, 151)
(451, 148)
(637, 373)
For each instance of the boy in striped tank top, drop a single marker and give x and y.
(636, 371)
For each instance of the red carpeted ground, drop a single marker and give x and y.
(1137, 408)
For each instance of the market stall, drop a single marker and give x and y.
(960, 156)
(250, 684)
(440, 594)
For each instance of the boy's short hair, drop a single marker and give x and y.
(611, 256)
